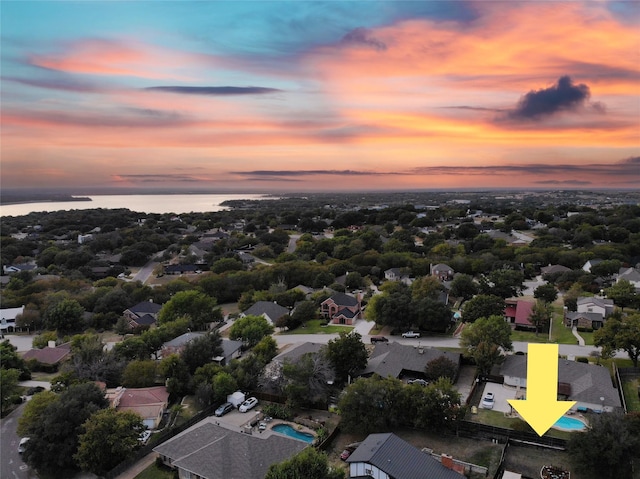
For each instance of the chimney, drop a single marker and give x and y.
(51, 344)
(447, 461)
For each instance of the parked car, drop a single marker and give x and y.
(224, 409)
(379, 339)
(344, 455)
(411, 334)
(248, 404)
(421, 382)
(487, 401)
(22, 444)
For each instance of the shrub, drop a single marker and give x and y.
(277, 411)
(582, 359)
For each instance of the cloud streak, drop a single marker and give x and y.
(214, 90)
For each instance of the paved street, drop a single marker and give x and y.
(11, 465)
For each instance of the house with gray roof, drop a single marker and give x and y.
(270, 310)
(554, 269)
(593, 304)
(144, 313)
(231, 349)
(210, 451)
(630, 274)
(397, 360)
(341, 308)
(386, 456)
(581, 382)
(442, 271)
(583, 320)
(176, 345)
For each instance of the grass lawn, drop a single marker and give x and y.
(315, 327)
(40, 376)
(155, 472)
(630, 389)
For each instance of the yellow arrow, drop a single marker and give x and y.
(541, 409)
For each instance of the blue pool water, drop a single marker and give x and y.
(570, 424)
(291, 432)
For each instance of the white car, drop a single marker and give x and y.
(411, 334)
(23, 444)
(248, 404)
(487, 401)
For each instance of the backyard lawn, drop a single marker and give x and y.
(630, 389)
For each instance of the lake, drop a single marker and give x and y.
(179, 203)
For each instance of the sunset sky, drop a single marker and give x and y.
(307, 96)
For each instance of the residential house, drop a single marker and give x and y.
(305, 289)
(245, 257)
(442, 271)
(211, 451)
(18, 268)
(399, 360)
(50, 356)
(231, 349)
(142, 314)
(272, 372)
(8, 318)
(593, 304)
(589, 264)
(270, 310)
(517, 313)
(398, 274)
(149, 403)
(588, 384)
(386, 456)
(583, 320)
(554, 269)
(176, 345)
(630, 274)
(341, 308)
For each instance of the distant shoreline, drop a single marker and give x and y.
(43, 199)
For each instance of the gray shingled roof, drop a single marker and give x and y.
(399, 459)
(230, 346)
(588, 316)
(292, 355)
(182, 339)
(390, 359)
(269, 308)
(342, 299)
(588, 382)
(146, 307)
(214, 452)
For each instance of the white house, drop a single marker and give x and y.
(595, 305)
(8, 318)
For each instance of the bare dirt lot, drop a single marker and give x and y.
(529, 460)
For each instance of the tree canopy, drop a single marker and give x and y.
(250, 329)
(484, 340)
(483, 306)
(200, 308)
(308, 463)
(620, 333)
(347, 354)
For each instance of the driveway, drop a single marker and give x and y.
(501, 394)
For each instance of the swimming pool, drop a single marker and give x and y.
(291, 432)
(569, 424)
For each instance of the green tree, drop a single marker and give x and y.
(54, 436)
(176, 372)
(9, 388)
(463, 287)
(198, 307)
(266, 349)
(65, 316)
(223, 384)
(347, 354)
(10, 359)
(484, 340)
(546, 292)
(250, 329)
(201, 350)
(426, 287)
(614, 436)
(430, 314)
(620, 333)
(483, 306)
(441, 367)
(303, 312)
(139, 374)
(541, 314)
(372, 405)
(309, 463)
(33, 411)
(435, 407)
(109, 438)
(623, 294)
(503, 282)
